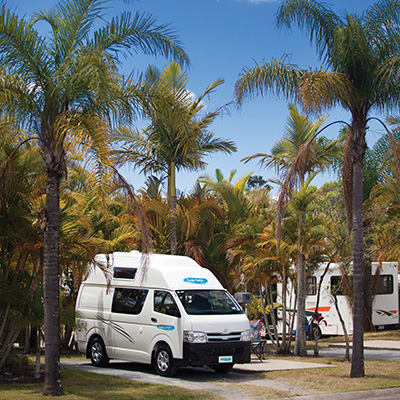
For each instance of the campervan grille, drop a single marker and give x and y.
(224, 337)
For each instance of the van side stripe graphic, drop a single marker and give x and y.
(116, 327)
(387, 313)
(320, 309)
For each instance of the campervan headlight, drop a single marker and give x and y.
(194, 337)
(246, 335)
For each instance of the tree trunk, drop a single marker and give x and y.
(67, 338)
(37, 354)
(346, 336)
(271, 336)
(368, 297)
(172, 199)
(357, 362)
(9, 342)
(291, 321)
(300, 347)
(51, 292)
(284, 315)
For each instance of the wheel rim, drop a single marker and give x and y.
(97, 352)
(163, 360)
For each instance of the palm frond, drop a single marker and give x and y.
(272, 77)
(131, 34)
(22, 50)
(315, 19)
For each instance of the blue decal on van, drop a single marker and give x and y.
(166, 327)
(197, 281)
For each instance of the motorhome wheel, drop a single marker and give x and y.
(98, 354)
(164, 362)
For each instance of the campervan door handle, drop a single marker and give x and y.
(154, 320)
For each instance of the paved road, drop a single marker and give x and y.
(368, 354)
(373, 349)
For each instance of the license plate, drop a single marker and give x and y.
(225, 359)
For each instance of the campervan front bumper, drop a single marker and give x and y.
(197, 354)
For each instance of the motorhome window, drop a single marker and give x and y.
(125, 273)
(385, 285)
(311, 285)
(128, 301)
(208, 302)
(335, 282)
(163, 301)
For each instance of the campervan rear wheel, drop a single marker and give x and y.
(164, 362)
(223, 369)
(315, 332)
(98, 354)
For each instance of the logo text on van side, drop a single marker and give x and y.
(196, 281)
(166, 327)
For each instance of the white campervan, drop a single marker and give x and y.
(172, 313)
(385, 310)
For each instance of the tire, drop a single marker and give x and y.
(222, 369)
(164, 362)
(315, 331)
(98, 353)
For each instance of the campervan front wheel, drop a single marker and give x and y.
(164, 362)
(98, 354)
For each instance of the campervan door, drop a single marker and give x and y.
(385, 306)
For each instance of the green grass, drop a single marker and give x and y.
(379, 374)
(82, 385)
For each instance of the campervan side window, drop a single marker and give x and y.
(125, 273)
(163, 301)
(128, 301)
(311, 285)
(385, 285)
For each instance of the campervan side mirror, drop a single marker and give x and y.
(173, 312)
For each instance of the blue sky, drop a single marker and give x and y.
(222, 37)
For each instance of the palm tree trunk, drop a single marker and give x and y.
(9, 341)
(272, 337)
(172, 195)
(284, 308)
(357, 362)
(37, 353)
(51, 292)
(368, 297)
(343, 324)
(300, 348)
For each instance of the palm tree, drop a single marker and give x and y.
(22, 184)
(285, 152)
(298, 131)
(177, 137)
(362, 54)
(237, 222)
(64, 87)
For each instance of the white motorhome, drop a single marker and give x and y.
(385, 306)
(174, 313)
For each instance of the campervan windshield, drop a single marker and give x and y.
(208, 302)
